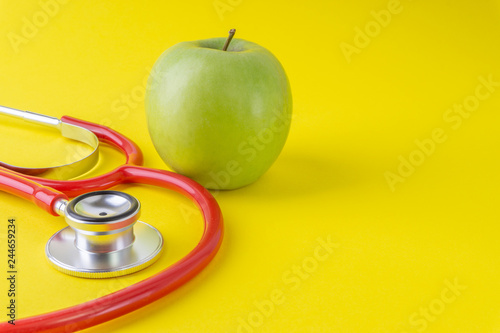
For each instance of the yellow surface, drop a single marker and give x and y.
(398, 249)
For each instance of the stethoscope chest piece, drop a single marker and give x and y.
(104, 237)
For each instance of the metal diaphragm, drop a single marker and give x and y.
(104, 237)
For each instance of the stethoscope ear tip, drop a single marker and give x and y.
(104, 238)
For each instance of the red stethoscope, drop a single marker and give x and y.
(52, 195)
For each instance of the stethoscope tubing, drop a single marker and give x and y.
(142, 293)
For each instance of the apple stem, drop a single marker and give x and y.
(228, 40)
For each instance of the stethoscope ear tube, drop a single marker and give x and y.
(142, 293)
(78, 133)
(105, 134)
(73, 188)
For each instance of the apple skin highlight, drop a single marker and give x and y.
(219, 117)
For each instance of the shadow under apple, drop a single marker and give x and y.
(300, 174)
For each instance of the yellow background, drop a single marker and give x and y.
(397, 250)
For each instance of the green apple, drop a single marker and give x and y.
(220, 117)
